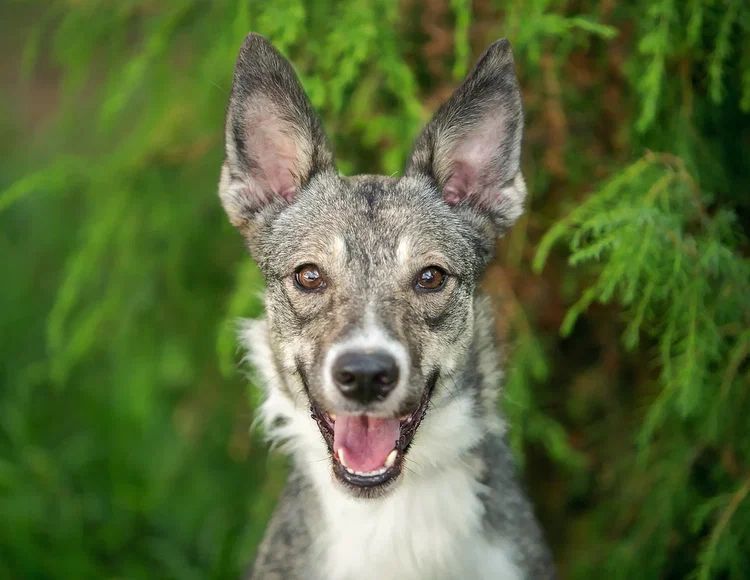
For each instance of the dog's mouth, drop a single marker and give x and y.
(367, 451)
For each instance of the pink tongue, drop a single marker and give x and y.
(366, 441)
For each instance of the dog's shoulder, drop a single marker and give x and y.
(508, 514)
(285, 550)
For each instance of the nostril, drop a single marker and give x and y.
(385, 379)
(345, 378)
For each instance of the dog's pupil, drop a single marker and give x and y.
(430, 278)
(311, 276)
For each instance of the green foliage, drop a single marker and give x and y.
(675, 32)
(672, 267)
(125, 441)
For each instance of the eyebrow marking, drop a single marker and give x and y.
(339, 250)
(404, 249)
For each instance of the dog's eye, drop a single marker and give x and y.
(431, 279)
(308, 278)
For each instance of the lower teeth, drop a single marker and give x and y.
(380, 471)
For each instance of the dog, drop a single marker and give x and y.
(377, 352)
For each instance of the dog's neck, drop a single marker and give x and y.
(431, 524)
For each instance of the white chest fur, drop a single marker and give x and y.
(425, 529)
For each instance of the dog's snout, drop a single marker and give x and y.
(365, 376)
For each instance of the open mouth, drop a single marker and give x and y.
(369, 451)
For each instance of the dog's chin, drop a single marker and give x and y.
(373, 472)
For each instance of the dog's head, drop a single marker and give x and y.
(370, 280)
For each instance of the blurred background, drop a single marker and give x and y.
(623, 295)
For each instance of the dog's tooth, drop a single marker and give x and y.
(332, 416)
(391, 459)
(342, 459)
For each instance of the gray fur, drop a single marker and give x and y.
(285, 553)
(370, 235)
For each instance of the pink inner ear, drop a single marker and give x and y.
(276, 157)
(471, 159)
(460, 184)
(288, 193)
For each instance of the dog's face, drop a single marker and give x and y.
(370, 280)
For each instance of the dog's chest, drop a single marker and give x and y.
(430, 529)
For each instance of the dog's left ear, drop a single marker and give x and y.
(472, 146)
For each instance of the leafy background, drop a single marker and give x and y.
(126, 448)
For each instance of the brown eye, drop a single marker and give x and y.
(431, 279)
(308, 278)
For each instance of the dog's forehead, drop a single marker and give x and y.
(372, 220)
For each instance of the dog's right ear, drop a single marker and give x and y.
(274, 140)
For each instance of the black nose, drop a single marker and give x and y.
(365, 376)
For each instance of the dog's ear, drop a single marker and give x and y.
(274, 140)
(472, 146)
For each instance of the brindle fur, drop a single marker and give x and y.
(462, 188)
